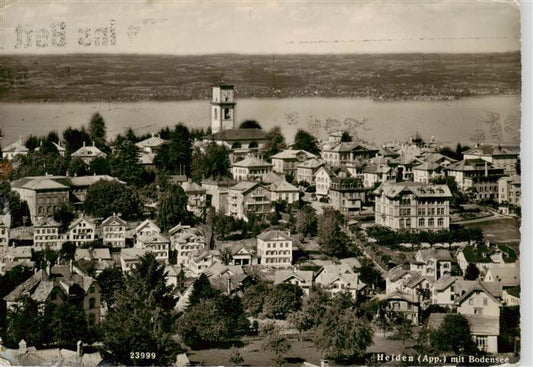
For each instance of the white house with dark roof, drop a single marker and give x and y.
(186, 241)
(339, 278)
(416, 206)
(249, 198)
(81, 231)
(432, 263)
(147, 228)
(285, 191)
(196, 197)
(129, 257)
(157, 244)
(478, 300)
(274, 248)
(505, 158)
(250, 169)
(427, 171)
(88, 152)
(306, 171)
(148, 149)
(46, 234)
(14, 149)
(287, 161)
(114, 231)
(301, 278)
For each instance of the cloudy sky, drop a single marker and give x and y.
(300, 26)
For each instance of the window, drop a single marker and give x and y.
(440, 222)
(92, 302)
(471, 301)
(482, 342)
(421, 222)
(485, 301)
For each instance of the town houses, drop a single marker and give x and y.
(392, 227)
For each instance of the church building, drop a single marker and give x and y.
(241, 142)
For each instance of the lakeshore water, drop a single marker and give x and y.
(448, 121)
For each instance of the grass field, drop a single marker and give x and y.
(87, 78)
(300, 351)
(506, 230)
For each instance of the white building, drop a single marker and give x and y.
(81, 231)
(285, 191)
(274, 248)
(287, 161)
(88, 153)
(12, 150)
(187, 241)
(46, 234)
(250, 169)
(114, 231)
(414, 206)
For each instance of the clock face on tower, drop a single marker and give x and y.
(226, 96)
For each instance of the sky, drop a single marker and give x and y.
(260, 27)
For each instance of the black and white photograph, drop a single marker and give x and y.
(303, 183)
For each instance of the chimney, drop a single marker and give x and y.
(83, 143)
(79, 349)
(486, 169)
(48, 268)
(22, 346)
(71, 265)
(93, 143)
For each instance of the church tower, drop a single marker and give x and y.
(222, 108)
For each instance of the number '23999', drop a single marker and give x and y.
(142, 355)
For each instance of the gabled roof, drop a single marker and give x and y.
(427, 254)
(16, 147)
(442, 283)
(114, 220)
(45, 222)
(245, 186)
(192, 187)
(506, 275)
(238, 134)
(438, 158)
(80, 220)
(396, 273)
(420, 190)
(251, 162)
(25, 287)
(491, 150)
(470, 165)
(476, 287)
(273, 235)
(80, 181)
(293, 154)
(38, 183)
(131, 254)
(272, 178)
(157, 238)
(145, 223)
(304, 276)
(311, 164)
(427, 166)
(284, 186)
(153, 141)
(88, 151)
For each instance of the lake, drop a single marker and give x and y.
(448, 121)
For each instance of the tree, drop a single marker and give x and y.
(124, 160)
(472, 272)
(284, 299)
(24, 321)
(107, 197)
(64, 215)
(346, 137)
(68, 323)
(173, 208)
(176, 156)
(369, 275)
(343, 335)
(100, 166)
(213, 163)
(254, 298)
(306, 221)
(202, 289)
(32, 142)
(274, 342)
(226, 256)
(250, 124)
(97, 132)
(331, 238)
(68, 249)
(404, 329)
(142, 317)
(74, 139)
(453, 335)
(275, 142)
(305, 141)
(111, 281)
(77, 167)
(235, 356)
